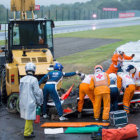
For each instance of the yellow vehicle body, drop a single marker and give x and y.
(22, 5)
(29, 40)
(16, 70)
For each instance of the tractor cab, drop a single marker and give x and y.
(30, 34)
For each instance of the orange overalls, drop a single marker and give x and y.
(83, 90)
(115, 61)
(100, 83)
(126, 82)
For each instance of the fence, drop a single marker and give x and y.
(70, 14)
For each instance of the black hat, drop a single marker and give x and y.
(129, 67)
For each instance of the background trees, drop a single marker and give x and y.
(80, 11)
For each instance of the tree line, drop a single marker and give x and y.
(79, 11)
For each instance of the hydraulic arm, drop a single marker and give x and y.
(23, 6)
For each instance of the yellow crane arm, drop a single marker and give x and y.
(23, 6)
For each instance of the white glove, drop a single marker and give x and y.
(82, 76)
(77, 72)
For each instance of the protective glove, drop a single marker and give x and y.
(77, 72)
(132, 55)
(82, 76)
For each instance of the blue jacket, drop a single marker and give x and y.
(55, 76)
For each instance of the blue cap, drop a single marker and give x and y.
(58, 66)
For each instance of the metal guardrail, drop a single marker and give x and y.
(82, 22)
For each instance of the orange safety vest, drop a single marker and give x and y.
(100, 79)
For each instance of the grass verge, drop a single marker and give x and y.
(2, 42)
(124, 33)
(86, 60)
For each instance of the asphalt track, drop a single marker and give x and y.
(12, 126)
(68, 46)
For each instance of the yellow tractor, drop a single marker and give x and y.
(29, 40)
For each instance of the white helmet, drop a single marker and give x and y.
(120, 51)
(113, 76)
(30, 67)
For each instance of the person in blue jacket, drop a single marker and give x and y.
(54, 80)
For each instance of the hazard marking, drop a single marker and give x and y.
(127, 76)
(99, 76)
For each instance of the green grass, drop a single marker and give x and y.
(125, 33)
(86, 60)
(91, 56)
(2, 42)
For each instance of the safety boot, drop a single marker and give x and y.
(30, 136)
(63, 118)
(45, 116)
(97, 119)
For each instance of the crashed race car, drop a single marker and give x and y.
(69, 103)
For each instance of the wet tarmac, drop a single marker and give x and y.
(12, 127)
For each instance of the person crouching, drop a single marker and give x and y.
(100, 83)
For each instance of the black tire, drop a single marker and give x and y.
(3, 86)
(17, 106)
(12, 103)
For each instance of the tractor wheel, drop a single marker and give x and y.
(3, 86)
(12, 103)
(17, 106)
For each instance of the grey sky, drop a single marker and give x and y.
(45, 2)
